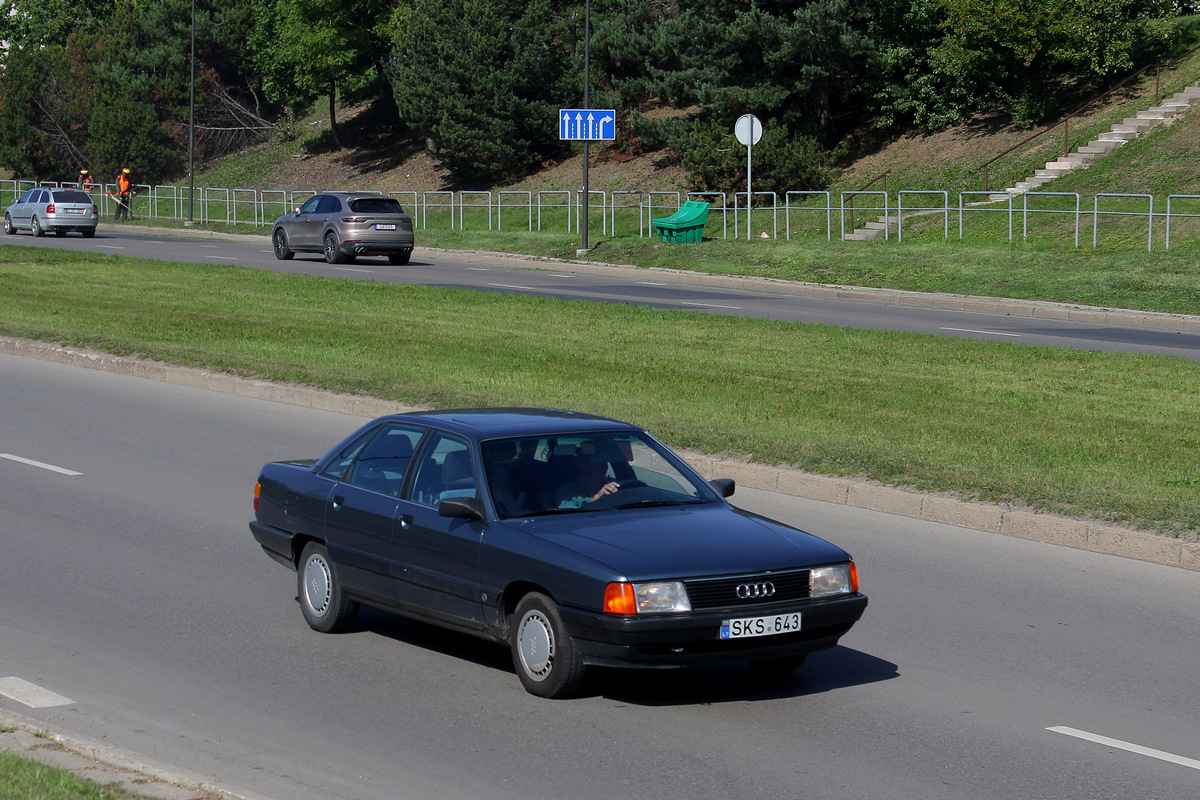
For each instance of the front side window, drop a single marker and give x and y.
(445, 471)
(551, 474)
(310, 205)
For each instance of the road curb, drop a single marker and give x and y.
(1032, 309)
(1089, 535)
(103, 764)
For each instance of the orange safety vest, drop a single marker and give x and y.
(123, 183)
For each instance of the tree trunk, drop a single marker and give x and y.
(337, 139)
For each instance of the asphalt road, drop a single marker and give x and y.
(484, 273)
(133, 591)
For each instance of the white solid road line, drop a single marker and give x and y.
(710, 305)
(1127, 746)
(972, 330)
(39, 464)
(31, 694)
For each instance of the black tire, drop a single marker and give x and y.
(36, 227)
(280, 243)
(9, 228)
(332, 254)
(88, 233)
(322, 601)
(399, 258)
(776, 668)
(543, 653)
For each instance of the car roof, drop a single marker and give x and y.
(488, 423)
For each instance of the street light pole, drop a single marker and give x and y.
(587, 44)
(192, 122)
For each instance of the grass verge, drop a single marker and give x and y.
(1108, 436)
(25, 779)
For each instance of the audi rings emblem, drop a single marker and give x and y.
(748, 591)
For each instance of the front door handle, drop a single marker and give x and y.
(406, 521)
(338, 502)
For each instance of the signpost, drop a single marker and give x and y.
(748, 131)
(587, 125)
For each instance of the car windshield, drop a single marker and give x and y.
(375, 205)
(72, 196)
(540, 475)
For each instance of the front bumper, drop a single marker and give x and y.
(693, 638)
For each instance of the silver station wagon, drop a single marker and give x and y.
(344, 226)
(45, 210)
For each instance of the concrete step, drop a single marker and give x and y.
(1135, 124)
(1158, 113)
(1099, 148)
(1117, 136)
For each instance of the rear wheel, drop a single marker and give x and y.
(88, 233)
(322, 601)
(37, 227)
(544, 654)
(332, 254)
(280, 241)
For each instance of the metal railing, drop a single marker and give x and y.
(801, 209)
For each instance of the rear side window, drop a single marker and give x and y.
(375, 205)
(329, 205)
(71, 196)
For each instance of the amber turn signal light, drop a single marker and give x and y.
(619, 599)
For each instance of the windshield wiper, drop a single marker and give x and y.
(545, 512)
(657, 503)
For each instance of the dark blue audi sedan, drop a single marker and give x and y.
(574, 539)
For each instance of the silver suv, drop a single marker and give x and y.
(343, 226)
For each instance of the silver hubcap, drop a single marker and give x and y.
(535, 644)
(317, 585)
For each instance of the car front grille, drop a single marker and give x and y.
(758, 589)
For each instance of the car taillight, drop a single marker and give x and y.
(50, 208)
(257, 493)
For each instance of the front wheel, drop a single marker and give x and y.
(322, 601)
(332, 254)
(282, 251)
(9, 228)
(544, 654)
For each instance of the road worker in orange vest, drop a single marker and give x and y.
(124, 195)
(85, 180)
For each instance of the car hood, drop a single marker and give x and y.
(682, 541)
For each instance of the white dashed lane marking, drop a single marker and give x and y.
(31, 694)
(31, 463)
(1182, 761)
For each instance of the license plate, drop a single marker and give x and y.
(75, 211)
(760, 626)
(385, 227)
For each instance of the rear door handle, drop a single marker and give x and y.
(406, 521)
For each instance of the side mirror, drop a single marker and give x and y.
(296, 210)
(723, 486)
(463, 508)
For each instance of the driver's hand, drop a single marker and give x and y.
(608, 488)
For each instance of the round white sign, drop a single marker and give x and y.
(748, 129)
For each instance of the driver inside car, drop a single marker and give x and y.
(592, 481)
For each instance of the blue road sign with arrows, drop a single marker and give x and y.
(587, 124)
